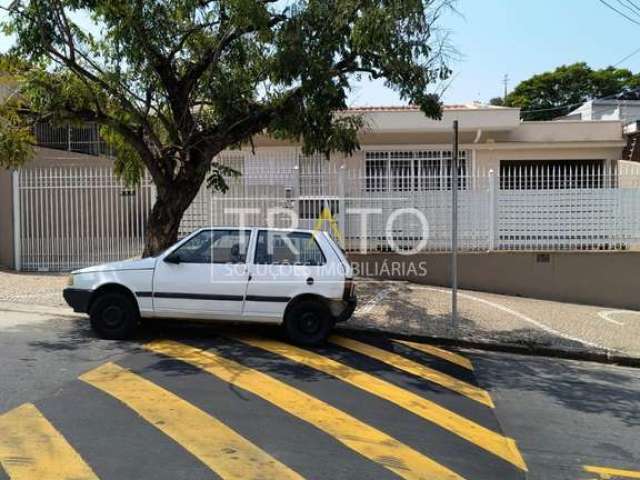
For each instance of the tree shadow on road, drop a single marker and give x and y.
(579, 386)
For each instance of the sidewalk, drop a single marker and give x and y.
(43, 289)
(409, 309)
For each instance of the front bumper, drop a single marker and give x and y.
(351, 304)
(77, 298)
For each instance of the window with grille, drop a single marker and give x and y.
(84, 138)
(552, 174)
(312, 208)
(412, 170)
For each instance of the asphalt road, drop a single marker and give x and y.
(565, 414)
(210, 402)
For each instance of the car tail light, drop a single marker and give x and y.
(349, 287)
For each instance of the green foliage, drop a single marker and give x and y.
(174, 82)
(127, 165)
(558, 92)
(217, 179)
(16, 140)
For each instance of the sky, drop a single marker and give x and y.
(519, 38)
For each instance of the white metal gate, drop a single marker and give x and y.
(71, 217)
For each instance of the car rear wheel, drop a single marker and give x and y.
(308, 322)
(114, 316)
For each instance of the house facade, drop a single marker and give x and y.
(491, 138)
(66, 195)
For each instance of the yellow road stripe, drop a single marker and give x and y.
(216, 445)
(364, 439)
(439, 352)
(414, 368)
(611, 473)
(489, 440)
(31, 448)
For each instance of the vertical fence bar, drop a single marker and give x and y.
(492, 211)
(341, 205)
(17, 236)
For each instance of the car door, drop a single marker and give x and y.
(285, 264)
(205, 277)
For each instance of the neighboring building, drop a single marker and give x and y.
(610, 109)
(624, 107)
(403, 153)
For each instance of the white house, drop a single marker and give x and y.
(534, 185)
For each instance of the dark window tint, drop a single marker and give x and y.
(551, 174)
(288, 248)
(311, 209)
(216, 246)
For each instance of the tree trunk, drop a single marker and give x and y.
(172, 200)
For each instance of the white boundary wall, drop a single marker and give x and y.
(70, 217)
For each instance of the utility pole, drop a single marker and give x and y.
(505, 81)
(454, 230)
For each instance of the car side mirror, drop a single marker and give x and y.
(173, 258)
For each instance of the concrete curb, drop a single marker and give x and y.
(602, 356)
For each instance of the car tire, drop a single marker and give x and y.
(114, 316)
(308, 322)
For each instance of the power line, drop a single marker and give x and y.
(619, 12)
(633, 5)
(569, 105)
(631, 8)
(624, 59)
(561, 107)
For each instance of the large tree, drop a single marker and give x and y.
(552, 94)
(175, 82)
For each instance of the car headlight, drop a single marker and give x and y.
(70, 281)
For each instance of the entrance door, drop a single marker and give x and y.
(206, 277)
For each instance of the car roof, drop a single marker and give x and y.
(271, 229)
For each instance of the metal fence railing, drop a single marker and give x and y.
(72, 217)
(546, 207)
(69, 217)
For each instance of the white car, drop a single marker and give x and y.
(298, 278)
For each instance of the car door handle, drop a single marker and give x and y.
(309, 281)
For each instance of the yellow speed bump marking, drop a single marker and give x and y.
(611, 473)
(211, 441)
(31, 448)
(414, 368)
(482, 437)
(356, 435)
(439, 352)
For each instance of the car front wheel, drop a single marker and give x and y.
(308, 322)
(114, 316)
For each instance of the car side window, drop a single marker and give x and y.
(216, 246)
(230, 246)
(288, 248)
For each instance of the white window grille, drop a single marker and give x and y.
(412, 170)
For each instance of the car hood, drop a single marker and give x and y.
(134, 264)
